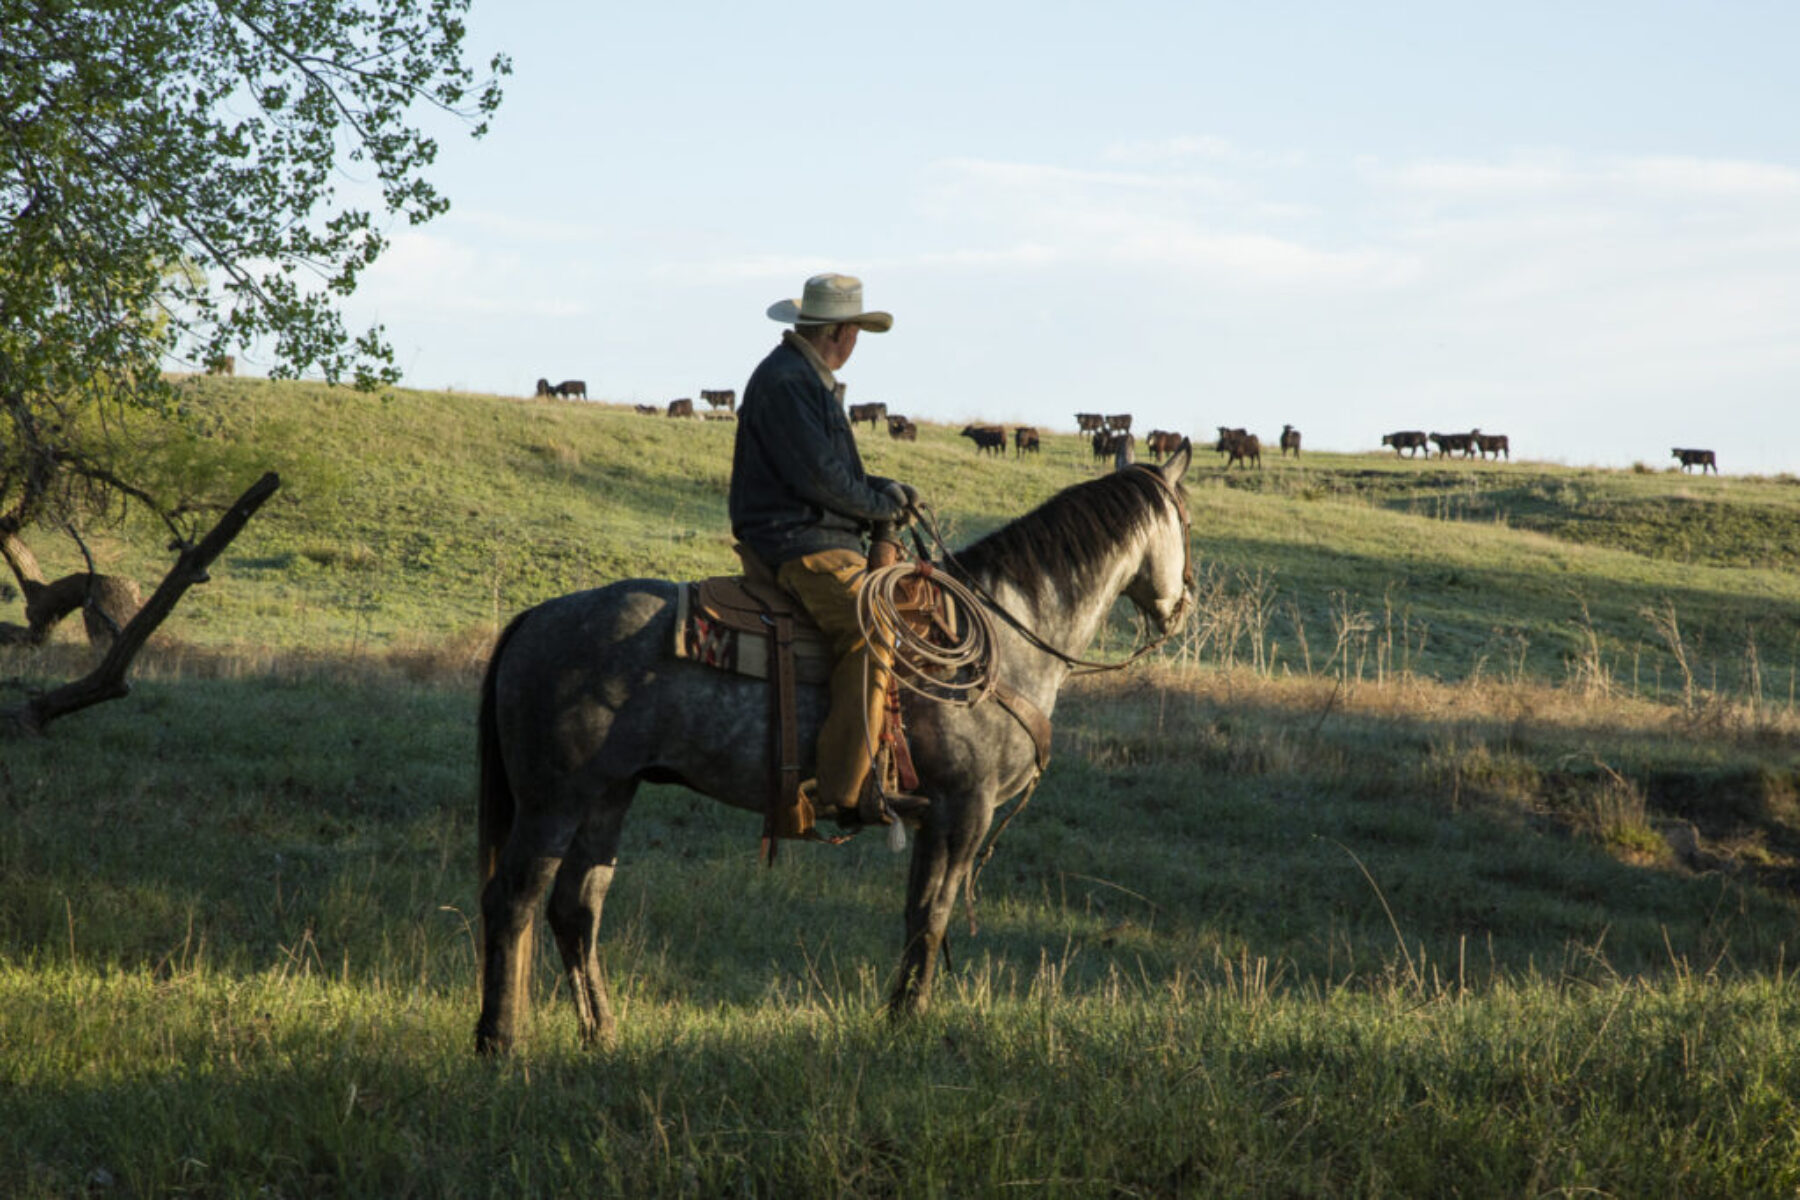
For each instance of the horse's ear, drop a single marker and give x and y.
(1176, 465)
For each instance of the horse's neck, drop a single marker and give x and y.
(1070, 625)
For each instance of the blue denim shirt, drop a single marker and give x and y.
(797, 482)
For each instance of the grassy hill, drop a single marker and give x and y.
(1454, 850)
(413, 516)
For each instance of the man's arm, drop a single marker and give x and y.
(800, 447)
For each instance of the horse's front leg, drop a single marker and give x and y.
(942, 856)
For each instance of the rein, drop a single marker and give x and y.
(1081, 666)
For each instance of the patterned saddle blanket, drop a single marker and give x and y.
(728, 622)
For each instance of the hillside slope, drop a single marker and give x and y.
(413, 516)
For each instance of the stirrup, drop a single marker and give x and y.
(876, 807)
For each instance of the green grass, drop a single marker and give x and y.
(1400, 873)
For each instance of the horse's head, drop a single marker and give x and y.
(1164, 588)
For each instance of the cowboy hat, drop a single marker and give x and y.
(831, 300)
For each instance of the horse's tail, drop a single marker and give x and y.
(495, 805)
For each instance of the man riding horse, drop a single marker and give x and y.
(802, 504)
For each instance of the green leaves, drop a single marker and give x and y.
(142, 133)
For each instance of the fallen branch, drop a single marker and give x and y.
(107, 681)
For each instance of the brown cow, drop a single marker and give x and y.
(1240, 447)
(901, 429)
(725, 398)
(1290, 440)
(682, 408)
(986, 437)
(1697, 458)
(1491, 443)
(874, 414)
(1160, 443)
(1025, 437)
(1089, 422)
(1410, 440)
(1119, 421)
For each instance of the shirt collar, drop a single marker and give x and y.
(790, 338)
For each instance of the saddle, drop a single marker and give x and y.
(749, 625)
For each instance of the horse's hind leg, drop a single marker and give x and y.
(508, 910)
(575, 904)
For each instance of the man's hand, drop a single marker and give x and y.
(903, 494)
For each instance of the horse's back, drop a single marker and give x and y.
(588, 692)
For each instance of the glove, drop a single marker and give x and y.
(903, 494)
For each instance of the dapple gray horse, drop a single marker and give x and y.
(582, 701)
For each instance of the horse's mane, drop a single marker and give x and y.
(1068, 541)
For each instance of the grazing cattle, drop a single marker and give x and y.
(1240, 447)
(1090, 422)
(1446, 442)
(1119, 421)
(1698, 458)
(1491, 443)
(1410, 440)
(725, 398)
(572, 389)
(986, 437)
(1025, 437)
(874, 414)
(901, 429)
(544, 388)
(1290, 440)
(648, 410)
(681, 408)
(1161, 443)
(1110, 443)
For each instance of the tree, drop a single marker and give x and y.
(169, 192)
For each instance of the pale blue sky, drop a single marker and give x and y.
(1577, 224)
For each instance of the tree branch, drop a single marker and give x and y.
(107, 681)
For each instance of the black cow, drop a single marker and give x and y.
(874, 414)
(1290, 440)
(1446, 442)
(1025, 437)
(1410, 440)
(986, 437)
(682, 408)
(1492, 443)
(1703, 459)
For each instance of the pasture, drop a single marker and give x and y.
(1452, 849)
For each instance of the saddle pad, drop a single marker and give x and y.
(721, 623)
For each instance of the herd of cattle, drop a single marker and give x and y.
(1110, 434)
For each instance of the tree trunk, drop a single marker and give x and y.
(107, 681)
(107, 602)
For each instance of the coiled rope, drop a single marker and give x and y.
(960, 673)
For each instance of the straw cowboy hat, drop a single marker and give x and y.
(831, 300)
